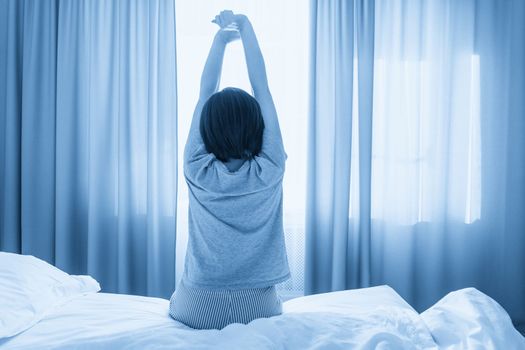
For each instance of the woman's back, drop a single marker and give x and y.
(236, 237)
(236, 252)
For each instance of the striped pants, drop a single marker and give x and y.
(215, 309)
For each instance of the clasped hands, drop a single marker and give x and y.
(230, 25)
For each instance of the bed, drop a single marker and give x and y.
(43, 307)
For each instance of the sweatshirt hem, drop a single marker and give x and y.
(235, 286)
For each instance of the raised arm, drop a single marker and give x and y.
(234, 27)
(258, 78)
(254, 57)
(211, 75)
(210, 79)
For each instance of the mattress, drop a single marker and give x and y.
(368, 318)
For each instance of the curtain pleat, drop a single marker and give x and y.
(330, 132)
(364, 33)
(11, 99)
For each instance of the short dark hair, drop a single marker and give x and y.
(232, 125)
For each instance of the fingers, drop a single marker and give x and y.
(226, 14)
(227, 17)
(224, 18)
(218, 20)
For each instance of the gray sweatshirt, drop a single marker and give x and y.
(236, 238)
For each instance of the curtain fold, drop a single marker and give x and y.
(434, 162)
(330, 131)
(89, 161)
(364, 33)
(337, 248)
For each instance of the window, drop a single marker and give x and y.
(281, 27)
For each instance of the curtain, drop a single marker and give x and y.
(88, 145)
(338, 256)
(417, 173)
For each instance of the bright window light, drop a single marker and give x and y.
(419, 141)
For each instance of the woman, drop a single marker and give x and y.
(234, 163)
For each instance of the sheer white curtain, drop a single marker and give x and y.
(426, 170)
(281, 27)
(88, 139)
(447, 157)
(446, 152)
(426, 123)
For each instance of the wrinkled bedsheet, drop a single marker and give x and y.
(368, 318)
(468, 319)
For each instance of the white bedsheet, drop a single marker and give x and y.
(468, 319)
(370, 318)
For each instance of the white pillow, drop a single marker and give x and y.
(30, 288)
